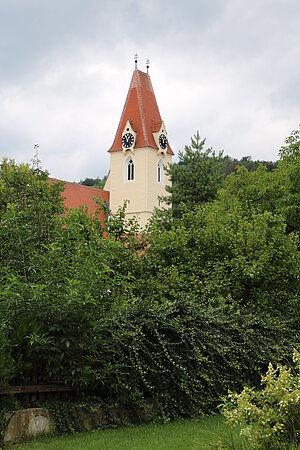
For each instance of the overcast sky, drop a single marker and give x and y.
(228, 68)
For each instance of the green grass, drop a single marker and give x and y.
(179, 435)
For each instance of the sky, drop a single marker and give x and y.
(228, 68)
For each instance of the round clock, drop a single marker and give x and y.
(127, 140)
(163, 142)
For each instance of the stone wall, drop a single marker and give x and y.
(27, 423)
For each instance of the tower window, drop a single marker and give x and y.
(160, 171)
(130, 170)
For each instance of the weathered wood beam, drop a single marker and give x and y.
(33, 389)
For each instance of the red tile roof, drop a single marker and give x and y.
(142, 112)
(76, 195)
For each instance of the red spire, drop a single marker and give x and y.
(142, 112)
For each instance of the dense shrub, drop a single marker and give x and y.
(270, 417)
(179, 356)
(183, 357)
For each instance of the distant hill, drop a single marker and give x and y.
(94, 182)
(230, 164)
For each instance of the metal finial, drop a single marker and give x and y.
(36, 161)
(136, 60)
(147, 64)
(36, 148)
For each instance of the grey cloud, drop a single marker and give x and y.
(229, 68)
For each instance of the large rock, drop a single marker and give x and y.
(27, 423)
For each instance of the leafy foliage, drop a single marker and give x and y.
(289, 172)
(231, 164)
(29, 214)
(233, 250)
(199, 174)
(183, 357)
(6, 361)
(174, 315)
(196, 178)
(270, 417)
(94, 182)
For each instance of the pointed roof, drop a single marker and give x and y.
(142, 112)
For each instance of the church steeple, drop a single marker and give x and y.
(142, 112)
(139, 153)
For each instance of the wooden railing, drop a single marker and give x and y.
(40, 392)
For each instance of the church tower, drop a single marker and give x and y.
(139, 153)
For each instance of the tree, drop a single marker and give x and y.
(230, 164)
(289, 173)
(255, 191)
(196, 178)
(30, 208)
(94, 182)
(233, 249)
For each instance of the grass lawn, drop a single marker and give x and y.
(179, 435)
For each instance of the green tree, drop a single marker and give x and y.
(289, 173)
(230, 164)
(94, 182)
(234, 249)
(30, 208)
(196, 178)
(255, 191)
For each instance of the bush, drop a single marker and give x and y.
(270, 418)
(181, 357)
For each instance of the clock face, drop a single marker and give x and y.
(163, 142)
(127, 140)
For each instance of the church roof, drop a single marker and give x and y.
(142, 112)
(76, 195)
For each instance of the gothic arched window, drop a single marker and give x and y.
(129, 172)
(160, 171)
